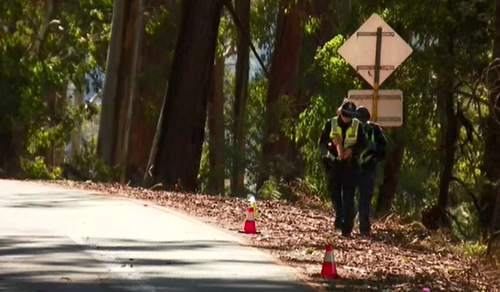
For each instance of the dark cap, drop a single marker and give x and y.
(363, 114)
(349, 110)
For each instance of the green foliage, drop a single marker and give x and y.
(254, 126)
(270, 190)
(204, 173)
(89, 166)
(36, 68)
(263, 26)
(37, 169)
(470, 249)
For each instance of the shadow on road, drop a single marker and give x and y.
(52, 199)
(50, 263)
(37, 245)
(159, 284)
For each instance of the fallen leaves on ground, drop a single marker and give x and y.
(395, 258)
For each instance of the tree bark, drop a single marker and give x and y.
(126, 74)
(283, 83)
(216, 129)
(241, 96)
(106, 127)
(137, 34)
(437, 216)
(450, 130)
(153, 62)
(387, 190)
(183, 125)
(492, 140)
(120, 78)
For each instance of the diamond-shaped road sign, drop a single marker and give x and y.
(389, 105)
(360, 49)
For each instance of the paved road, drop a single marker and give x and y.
(53, 239)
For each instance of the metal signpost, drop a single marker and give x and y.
(364, 52)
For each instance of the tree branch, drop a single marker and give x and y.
(44, 29)
(457, 222)
(232, 11)
(468, 191)
(95, 96)
(472, 96)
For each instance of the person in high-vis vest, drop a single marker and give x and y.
(340, 144)
(374, 153)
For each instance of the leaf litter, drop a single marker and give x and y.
(395, 258)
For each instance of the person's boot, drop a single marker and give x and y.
(346, 233)
(338, 224)
(364, 232)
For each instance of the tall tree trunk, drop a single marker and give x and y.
(216, 129)
(132, 90)
(120, 77)
(125, 81)
(153, 62)
(436, 216)
(450, 133)
(492, 139)
(387, 190)
(106, 124)
(183, 125)
(450, 130)
(241, 96)
(279, 151)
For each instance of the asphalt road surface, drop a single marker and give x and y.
(54, 239)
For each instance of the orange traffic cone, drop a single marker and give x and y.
(329, 268)
(250, 222)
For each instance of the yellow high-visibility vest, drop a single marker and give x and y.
(351, 137)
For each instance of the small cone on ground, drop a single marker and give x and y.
(329, 268)
(249, 226)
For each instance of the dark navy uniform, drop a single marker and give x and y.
(368, 160)
(342, 141)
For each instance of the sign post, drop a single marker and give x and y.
(377, 72)
(364, 53)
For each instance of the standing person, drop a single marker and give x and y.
(342, 141)
(374, 153)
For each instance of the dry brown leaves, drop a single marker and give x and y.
(393, 259)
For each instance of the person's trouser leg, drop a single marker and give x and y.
(335, 189)
(348, 191)
(366, 186)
